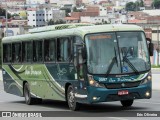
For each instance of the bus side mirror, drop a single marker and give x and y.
(151, 48)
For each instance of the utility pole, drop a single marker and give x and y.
(6, 34)
(158, 44)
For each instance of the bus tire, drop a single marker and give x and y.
(126, 103)
(28, 99)
(38, 100)
(71, 100)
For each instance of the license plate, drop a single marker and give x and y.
(123, 92)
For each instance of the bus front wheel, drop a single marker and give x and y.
(126, 103)
(73, 105)
(28, 99)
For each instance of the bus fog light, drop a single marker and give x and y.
(147, 94)
(96, 98)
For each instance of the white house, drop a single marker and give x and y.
(63, 2)
(54, 14)
(36, 18)
(94, 20)
(11, 3)
(36, 1)
(102, 11)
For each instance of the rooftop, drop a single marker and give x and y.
(152, 12)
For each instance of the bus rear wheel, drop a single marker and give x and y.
(71, 100)
(28, 99)
(126, 103)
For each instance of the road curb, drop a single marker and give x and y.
(157, 69)
(0, 74)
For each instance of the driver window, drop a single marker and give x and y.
(128, 46)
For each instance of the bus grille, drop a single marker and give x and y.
(130, 96)
(122, 85)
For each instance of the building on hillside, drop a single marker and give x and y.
(84, 13)
(95, 20)
(12, 3)
(92, 8)
(102, 11)
(78, 2)
(54, 14)
(153, 20)
(37, 1)
(148, 3)
(135, 21)
(155, 12)
(12, 31)
(92, 11)
(14, 23)
(85, 1)
(63, 2)
(38, 18)
(71, 20)
(137, 15)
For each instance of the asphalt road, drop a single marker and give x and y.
(109, 110)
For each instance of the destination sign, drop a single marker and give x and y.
(95, 37)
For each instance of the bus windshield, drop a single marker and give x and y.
(117, 53)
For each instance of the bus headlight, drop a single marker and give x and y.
(147, 79)
(94, 83)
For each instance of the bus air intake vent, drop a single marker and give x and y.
(57, 27)
(122, 85)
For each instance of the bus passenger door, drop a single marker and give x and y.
(80, 63)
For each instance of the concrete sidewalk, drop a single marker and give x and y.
(156, 81)
(0, 75)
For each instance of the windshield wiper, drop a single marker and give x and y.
(130, 64)
(128, 61)
(114, 59)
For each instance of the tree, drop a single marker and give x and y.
(14, 15)
(137, 4)
(105, 22)
(134, 6)
(131, 6)
(52, 22)
(3, 13)
(141, 3)
(61, 21)
(156, 4)
(67, 11)
(76, 10)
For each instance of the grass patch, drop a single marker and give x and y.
(155, 66)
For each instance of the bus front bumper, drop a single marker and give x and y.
(105, 95)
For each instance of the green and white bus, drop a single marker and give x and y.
(78, 63)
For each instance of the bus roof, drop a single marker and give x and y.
(76, 30)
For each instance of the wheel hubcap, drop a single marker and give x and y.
(71, 98)
(27, 95)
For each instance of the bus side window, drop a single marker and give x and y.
(6, 53)
(63, 49)
(49, 50)
(16, 52)
(37, 51)
(26, 52)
